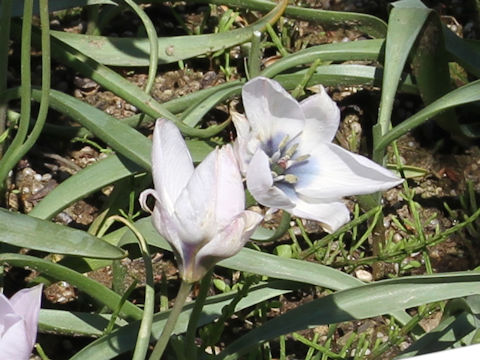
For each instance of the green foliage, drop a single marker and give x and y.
(412, 54)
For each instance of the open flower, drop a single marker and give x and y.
(18, 323)
(200, 211)
(284, 149)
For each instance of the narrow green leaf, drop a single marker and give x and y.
(55, 5)
(119, 136)
(83, 183)
(466, 53)
(430, 68)
(74, 323)
(448, 332)
(123, 339)
(368, 24)
(404, 24)
(367, 301)
(354, 50)
(134, 52)
(83, 283)
(25, 231)
(463, 95)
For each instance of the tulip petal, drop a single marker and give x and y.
(260, 183)
(333, 172)
(272, 112)
(228, 242)
(230, 196)
(14, 344)
(331, 215)
(322, 119)
(195, 207)
(169, 152)
(26, 303)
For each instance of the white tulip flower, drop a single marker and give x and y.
(199, 211)
(285, 150)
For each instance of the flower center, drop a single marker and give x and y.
(283, 159)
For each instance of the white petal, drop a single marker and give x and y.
(240, 146)
(333, 172)
(171, 162)
(195, 207)
(260, 183)
(272, 112)
(26, 303)
(230, 196)
(228, 242)
(322, 119)
(331, 215)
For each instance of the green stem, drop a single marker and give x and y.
(143, 337)
(172, 320)
(6, 164)
(153, 41)
(21, 144)
(254, 55)
(190, 347)
(5, 9)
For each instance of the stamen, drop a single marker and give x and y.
(290, 178)
(302, 158)
(291, 151)
(283, 143)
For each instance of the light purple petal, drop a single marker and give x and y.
(171, 162)
(14, 343)
(333, 172)
(331, 215)
(272, 112)
(5, 307)
(260, 183)
(322, 119)
(26, 303)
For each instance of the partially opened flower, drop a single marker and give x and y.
(18, 323)
(284, 149)
(200, 212)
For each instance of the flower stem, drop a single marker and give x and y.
(195, 315)
(172, 320)
(143, 337)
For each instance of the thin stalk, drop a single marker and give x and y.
(161, 345)
(21, 144)
(6, 163)
(190, 347)
(5, 10)
(276, 41)
(254, 55)
(153, 41)
(143, 337)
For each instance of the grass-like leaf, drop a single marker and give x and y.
(371, 300)
(26, 231)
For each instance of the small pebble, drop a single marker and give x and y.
(363, 275)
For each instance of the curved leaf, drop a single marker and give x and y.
(354, 50)
(91, 287)
(463, 95)
(367, 301)
(134, 52)
(25, 231)
(368, 24)
(123, 339)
